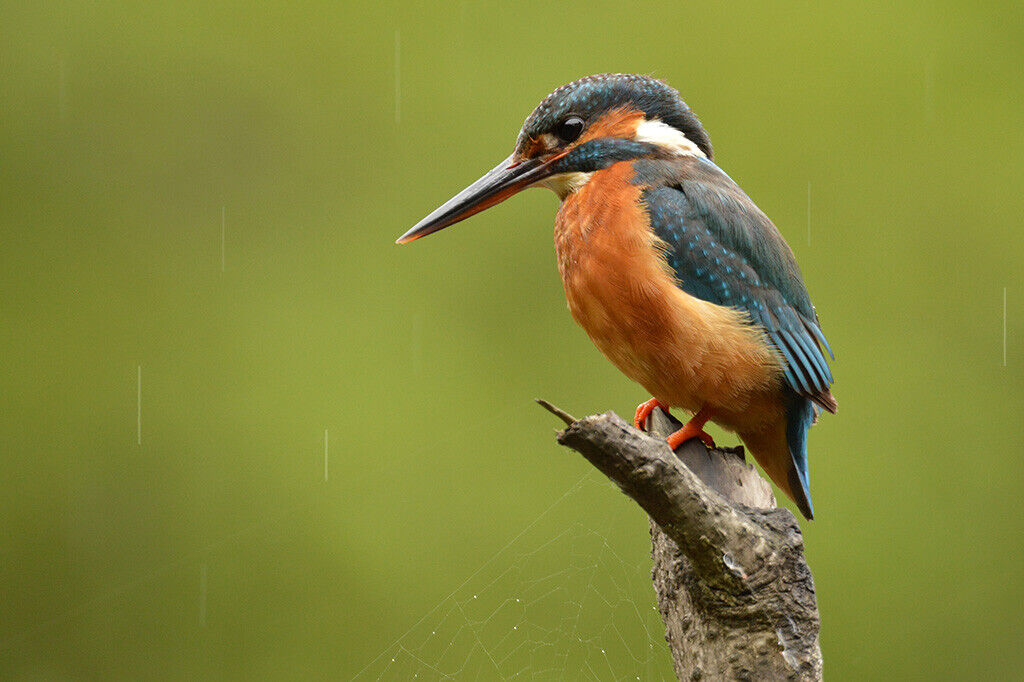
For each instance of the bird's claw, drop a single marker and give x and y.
(686, 433)
(643, 411)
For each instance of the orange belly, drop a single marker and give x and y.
(686, 352)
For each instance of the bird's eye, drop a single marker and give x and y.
(569, 129)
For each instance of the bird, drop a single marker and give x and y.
(674, 273)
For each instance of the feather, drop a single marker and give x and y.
(724, 250)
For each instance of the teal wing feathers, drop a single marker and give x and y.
(723, 249)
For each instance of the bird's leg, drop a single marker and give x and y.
(693, 429)
(643, 411)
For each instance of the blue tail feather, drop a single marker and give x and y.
(799, 417)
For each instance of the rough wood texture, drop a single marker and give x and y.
(734, 590)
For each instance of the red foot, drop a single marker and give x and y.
(643, 411)
(693, 429)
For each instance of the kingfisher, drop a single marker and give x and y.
(679, 279)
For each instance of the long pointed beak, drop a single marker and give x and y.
(507, 178)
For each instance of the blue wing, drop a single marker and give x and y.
(724, 250)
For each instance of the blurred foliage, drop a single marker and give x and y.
(883, 139)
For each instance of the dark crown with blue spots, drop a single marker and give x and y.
(592, 96)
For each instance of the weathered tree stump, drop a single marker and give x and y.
(734, 589)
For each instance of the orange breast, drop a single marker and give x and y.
(686, 352)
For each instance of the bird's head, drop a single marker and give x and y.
(577, 130)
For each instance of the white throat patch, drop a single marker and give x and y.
(665, 136)
(565, 184)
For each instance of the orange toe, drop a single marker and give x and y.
(693, 429)
(643, 411)
(686, 433)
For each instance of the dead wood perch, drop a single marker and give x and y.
(734, 590)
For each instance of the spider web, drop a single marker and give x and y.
(541, 608)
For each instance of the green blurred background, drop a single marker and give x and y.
(202, 200)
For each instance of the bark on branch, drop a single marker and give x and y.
(734, 590)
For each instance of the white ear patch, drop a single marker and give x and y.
(665, 136)
(653, 132)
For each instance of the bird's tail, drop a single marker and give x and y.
(782, 452)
